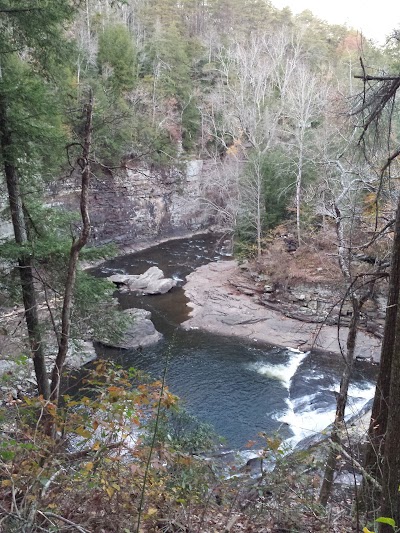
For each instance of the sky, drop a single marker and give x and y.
(375, 18)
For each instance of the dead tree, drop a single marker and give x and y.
(358, 291)
(383, 452)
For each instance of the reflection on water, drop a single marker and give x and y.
(240, 388)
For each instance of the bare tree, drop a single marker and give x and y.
(220, 191)
(306, 98)
(246, 116)
(345, 188)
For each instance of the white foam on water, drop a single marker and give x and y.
(311, 420)
(313, 376)
(283, 372)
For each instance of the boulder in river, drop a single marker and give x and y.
(140, 331)
(80, 354)
(151, 282)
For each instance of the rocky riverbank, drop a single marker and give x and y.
(220, 307)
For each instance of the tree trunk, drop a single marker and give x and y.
(379, 416)
(259, 221)
(298, 191)
(331, 462)
(390, 501)
(76, 247)
(25, 267)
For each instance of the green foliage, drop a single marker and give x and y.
(166, 58)
(50, 234)
(383, 520)
(183, 431)
(116, 58)
(39, 28)
(95, 309)
(98, 459)
(190, 125)
(34, 117)
(153, 144)
(113, 126)
(244, 246)
(267, 184)
(95, 253)
(278, 188)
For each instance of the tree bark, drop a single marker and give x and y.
(390, 501)
(298, 190)
(380, 408)
(357, 301)
(331, 462)
(25, 267)
(77, 245)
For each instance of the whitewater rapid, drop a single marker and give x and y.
(304, 415)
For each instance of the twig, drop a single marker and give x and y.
(50, 481)
(48, 514)
(82, 453)
(153, 441)
(355, 463)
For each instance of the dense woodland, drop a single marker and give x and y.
(300, 121)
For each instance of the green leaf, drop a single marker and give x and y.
(385, 520)
(7, 455)
(83, 432)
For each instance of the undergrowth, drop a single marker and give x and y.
(103, 472)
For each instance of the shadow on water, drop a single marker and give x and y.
(240, 388)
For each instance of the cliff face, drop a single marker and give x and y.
(141, 203)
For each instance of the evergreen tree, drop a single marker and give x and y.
(32, 144)
(117, 58)
(36, 32)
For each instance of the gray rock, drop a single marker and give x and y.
(313, 305)
(151, 282)
(160, 286)
(7, 367)
(236, 319)
(246, 290)
(80, 353)
(142, 281)
(139, 332)
(120, 279)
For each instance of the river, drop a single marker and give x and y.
(240, 388)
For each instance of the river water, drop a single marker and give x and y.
(240, 388)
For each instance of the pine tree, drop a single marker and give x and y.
(35, 32)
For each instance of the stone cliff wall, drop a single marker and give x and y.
(140, 203)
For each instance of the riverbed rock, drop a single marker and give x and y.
(80, 354)
(217, 306)
(120, 279)
(151, 282)
(17, 372)
(139, 332)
